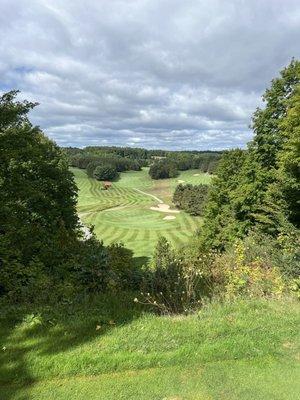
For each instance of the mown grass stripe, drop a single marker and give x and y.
(133, 223)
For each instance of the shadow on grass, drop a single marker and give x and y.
(13, 368)
(42, 331)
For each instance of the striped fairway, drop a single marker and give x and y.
(122, 213)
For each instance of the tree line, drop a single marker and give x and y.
(169, 167)
(163, 164)
(136, 152)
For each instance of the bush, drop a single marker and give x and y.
(23, 282)
(81, 267)
(282, 252)
(121, 265)
(105, 172)
(175, 282)
(243, 271)
(286, 247)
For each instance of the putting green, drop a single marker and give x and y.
(122, 213)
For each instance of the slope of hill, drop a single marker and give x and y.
(112, 350)
(123, 213)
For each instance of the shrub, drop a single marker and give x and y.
(23, 282)
(295, 287)
(175, 282)
(282, 252)
(121, 265)
(287, 251)
(242, 271)
(87, 265)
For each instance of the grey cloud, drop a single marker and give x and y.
(154, 73)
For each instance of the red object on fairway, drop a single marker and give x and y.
(106, 185)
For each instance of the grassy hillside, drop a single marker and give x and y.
(110, 349)
(123, 212)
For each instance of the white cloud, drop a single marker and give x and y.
(154, 73)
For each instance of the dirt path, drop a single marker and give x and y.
(116, 208)
(148, 194)
(161, 207)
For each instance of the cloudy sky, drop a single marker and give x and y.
(177, 74)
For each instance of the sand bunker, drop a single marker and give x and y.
(196, 174)
(164, 208)
(168, 217)
(161, 207)
(180, 181)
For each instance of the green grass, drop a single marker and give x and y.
(239, 351)
(123, 214)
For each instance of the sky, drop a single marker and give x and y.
(169, 74)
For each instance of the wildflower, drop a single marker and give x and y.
(98, 327)
(135, 300)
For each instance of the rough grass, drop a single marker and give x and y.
(109, 348)
(123, 213)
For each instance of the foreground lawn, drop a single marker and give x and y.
(123, 213)
(111, 349)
